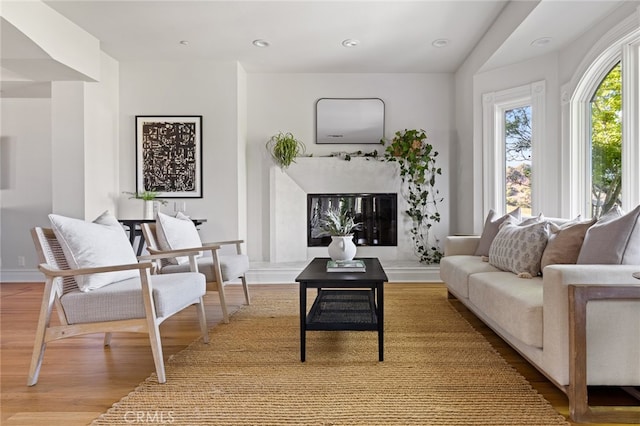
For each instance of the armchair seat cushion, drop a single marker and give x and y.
(123, 300)
(232, 266)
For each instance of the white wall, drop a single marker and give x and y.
(58, 155)
(25, 188)
(545, 69)
(470, 83)
(210, 89)
(467, 207)
(101, 141)
(286, 102)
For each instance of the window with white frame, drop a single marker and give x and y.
(512, 119)
(604, 114)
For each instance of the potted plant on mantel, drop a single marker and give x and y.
(284, 148)
(339, 224)
(150, 198)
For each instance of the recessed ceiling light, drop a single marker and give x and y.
(261, 43)
(440, 42)
(350, 42)
(539, 42)
(184, 42)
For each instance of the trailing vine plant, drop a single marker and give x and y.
(418, 171)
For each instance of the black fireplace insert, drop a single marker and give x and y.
(378, 214)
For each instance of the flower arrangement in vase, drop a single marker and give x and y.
(150, 199)
(339, 224)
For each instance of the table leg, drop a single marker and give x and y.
(303, 320)
(380, 303)
(141, 243)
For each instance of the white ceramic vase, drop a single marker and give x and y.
(147, 213)
(342, 248)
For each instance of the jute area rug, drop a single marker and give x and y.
(437, 370)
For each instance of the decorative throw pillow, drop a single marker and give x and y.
(564, 243)
(531, 220)
(491, 226)
(177, 233)
(615, 241)
(613, 213)
(519, 248)
(102, 242)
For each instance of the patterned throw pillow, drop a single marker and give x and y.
(491, 227)
(519, 248)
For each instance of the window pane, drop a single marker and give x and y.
(606, 143)
(517, 138)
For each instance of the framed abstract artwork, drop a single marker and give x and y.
(169, 155)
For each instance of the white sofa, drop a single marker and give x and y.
(532, 315)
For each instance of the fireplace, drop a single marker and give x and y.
(376, 212)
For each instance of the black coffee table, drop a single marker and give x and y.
(344, 300)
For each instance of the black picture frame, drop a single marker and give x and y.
(169, 155)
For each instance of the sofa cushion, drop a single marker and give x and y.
(564, 243)
(514, 304)
(455, 272)
(177, 233)
(491, 227)
(519, 248)
(102, 242)
(615, 241)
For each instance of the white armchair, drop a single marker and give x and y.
(138, 304)
(218, 268)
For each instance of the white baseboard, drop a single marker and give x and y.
(276, 273)
(21, 276)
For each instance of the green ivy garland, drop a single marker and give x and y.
(418, 171)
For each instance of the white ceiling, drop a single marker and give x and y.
(306, 36)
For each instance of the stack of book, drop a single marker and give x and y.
(346, 266)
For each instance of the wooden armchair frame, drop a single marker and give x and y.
(56, 273)
(150, 235)
(579, 409)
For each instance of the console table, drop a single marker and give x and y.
(355, 300)
(133, 225)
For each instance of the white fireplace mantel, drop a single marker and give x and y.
(321, 175)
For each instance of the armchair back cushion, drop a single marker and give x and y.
(177, 233)
(102, 242)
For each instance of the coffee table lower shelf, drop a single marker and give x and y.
(353, 310)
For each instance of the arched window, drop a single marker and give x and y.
(602, 117)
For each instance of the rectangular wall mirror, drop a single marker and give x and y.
(349, 120)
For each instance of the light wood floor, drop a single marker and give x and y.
(80, 379)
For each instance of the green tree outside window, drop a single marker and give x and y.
(606, 143)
